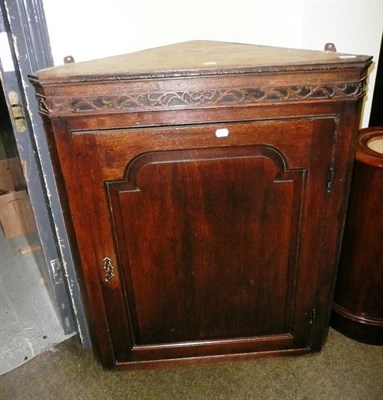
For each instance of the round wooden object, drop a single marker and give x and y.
(358, 300)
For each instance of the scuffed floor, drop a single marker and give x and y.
(28, 321)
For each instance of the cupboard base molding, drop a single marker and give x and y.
(178, 362)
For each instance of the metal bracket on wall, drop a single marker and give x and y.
(68, 60)
(330, 47)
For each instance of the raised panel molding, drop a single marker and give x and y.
(273, 192)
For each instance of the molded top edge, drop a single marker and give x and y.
(198, 58)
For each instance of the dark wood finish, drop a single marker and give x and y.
(205, 186)
(358, 306)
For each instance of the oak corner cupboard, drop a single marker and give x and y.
(204, 186)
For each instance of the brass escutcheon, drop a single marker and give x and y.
(108, 268)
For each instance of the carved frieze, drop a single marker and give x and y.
(197, 98)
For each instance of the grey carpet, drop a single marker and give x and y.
(343, 370)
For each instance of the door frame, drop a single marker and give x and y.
(25, 48)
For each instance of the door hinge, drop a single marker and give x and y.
(17, 111)
(57, 269)
(329, 179)
(312, 314)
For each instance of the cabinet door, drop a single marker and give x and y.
(213, 240)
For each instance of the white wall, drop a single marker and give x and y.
(88, 29)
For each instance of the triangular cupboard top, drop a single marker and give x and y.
(199, 58)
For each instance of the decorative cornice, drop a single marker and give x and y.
(59, 106)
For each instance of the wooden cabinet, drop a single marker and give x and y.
(204, 186)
